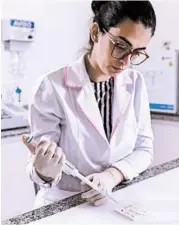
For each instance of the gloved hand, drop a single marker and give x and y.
(106, 180)
(48, 159)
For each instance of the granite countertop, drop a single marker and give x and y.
(75, 200)
(15, 132)
(167, 117)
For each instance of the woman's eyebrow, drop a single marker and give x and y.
(129, 43)
(125, 39)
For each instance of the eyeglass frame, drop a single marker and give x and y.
(116, 43)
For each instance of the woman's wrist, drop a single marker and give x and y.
(46, 179)
(117, 175)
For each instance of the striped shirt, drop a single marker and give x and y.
(104, 96)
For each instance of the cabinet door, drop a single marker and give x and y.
(17, 189)
(166, 142)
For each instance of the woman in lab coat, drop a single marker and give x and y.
(95, 111)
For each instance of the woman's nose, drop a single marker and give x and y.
(126, 60)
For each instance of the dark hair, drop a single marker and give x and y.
(109, 14)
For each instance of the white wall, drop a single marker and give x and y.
(167, 18)
(61, 32)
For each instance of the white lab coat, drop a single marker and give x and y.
(64, 107)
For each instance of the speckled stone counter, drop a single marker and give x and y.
(15, 132)
(166, 117)
(76, 199)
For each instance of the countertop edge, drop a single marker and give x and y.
(15, 132)
(154, 116)
(165, 117)
(76, 200)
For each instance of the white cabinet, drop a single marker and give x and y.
(166, 142)
(17, 190)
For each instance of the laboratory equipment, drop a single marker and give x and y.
(13, 117)
(161, 74)
(17, 35)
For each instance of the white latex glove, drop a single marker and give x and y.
(106, 180)
(48, 159)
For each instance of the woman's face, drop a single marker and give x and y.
(129, 36)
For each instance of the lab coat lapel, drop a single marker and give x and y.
(122, 95)
(77, 78)
(88, 106)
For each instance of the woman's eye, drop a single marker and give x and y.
(122, 47)
(137, 53)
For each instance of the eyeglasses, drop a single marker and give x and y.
(122, 49)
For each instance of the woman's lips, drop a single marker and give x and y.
(117, 69)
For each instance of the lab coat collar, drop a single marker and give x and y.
(76, 77)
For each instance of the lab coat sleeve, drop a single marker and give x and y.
(141, 157)
(45, 119)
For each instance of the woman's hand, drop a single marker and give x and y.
(106, 180)
(49, 159)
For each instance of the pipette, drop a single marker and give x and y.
(129, 211)
(70, 169)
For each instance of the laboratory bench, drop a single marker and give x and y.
(165, 117)
(76, 200)
(166, 157)
(15, 132)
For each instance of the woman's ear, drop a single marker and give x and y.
(94, 32)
